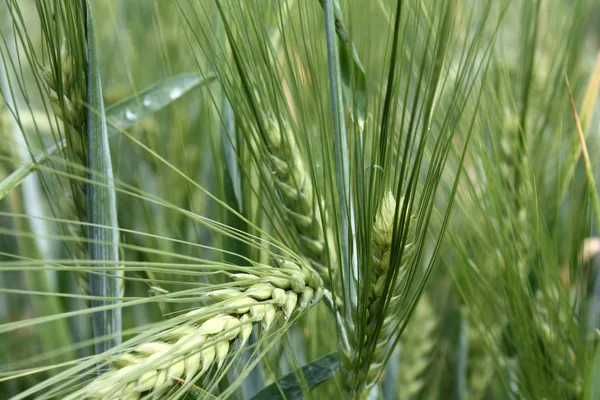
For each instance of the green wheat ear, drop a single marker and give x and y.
(365, 367)
(293, 185)
(66, 94)
(189, 351)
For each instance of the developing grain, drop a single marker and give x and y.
(189, 351)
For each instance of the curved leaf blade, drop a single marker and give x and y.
(176, 86)
(154, 98)
(102, 233)
(314, 373)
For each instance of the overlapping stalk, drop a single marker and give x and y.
(189, 351)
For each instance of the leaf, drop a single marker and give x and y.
(154, 98)
(314, 373)
(160, 94)
(102, 231)
(352, 71)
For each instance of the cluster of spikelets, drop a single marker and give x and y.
(187, 352)
(66, 100)
(294, 187)
(369, 364)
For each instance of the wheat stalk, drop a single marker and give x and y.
(361, 369)
(187, 352)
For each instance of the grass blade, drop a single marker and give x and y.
(586, 157)
(152, 99)
(102, 234)
(290, 388)
(121, 115)
(352, 72)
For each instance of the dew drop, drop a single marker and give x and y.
(130, 114)
(146, 102)
(175, 93)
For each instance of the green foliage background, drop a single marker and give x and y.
(459, 107)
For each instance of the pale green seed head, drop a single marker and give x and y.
(192, 364)
(190, 343)
(179, 332)
(243, 277)
(289, 266)
(279, 282)
(124, 360)
(207, 356)
(153, 347)
(241, 306)
(260, 291)
(232, 329)
(214, 325)
(146, 381)
(297, 282)
(270, 315)
(257, 312)
(245, 328)
(306, 296)
(176, 370)
(290, 303)
(224, 294)
(384, 221)
(221, 350)
(279, 297)
(315, 247)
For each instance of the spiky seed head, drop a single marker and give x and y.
(257, 312)
(289, 266)
(302, 221)
(318, 294)
(315, 247)
(243, 277)
(279, 282)
(221, 350)
(245, 328)
(260, 291)
(161, 381)
(158, 364)
(124, 360)
(152, 348)
(192, 363)
(384, 221)
(232, 329)
(270, 315)
(207, 356)
(146, 381)
(179, 332)
(176, 370)
(224, 294)
(215, 324)
(279, 297)
(297, 282)
(242, 305)
(290, 303)
(273, 133)
(190, 343)
(306, 297)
